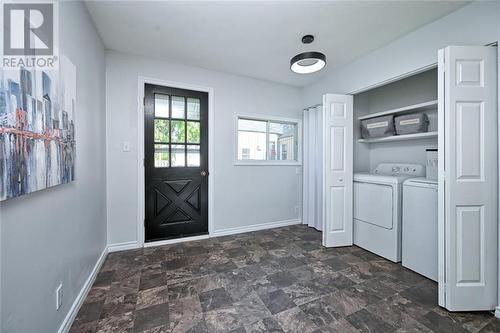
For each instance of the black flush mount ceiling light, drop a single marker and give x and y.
(308, 62)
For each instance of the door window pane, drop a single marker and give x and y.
(161, 156)
(251, 145)
(193, 109)
(193, 156)
(193, 132)
(178, 107)
(161, 130)
(178, 155)
(161, 105)
(178, 128)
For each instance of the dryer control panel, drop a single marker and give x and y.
(400, 169)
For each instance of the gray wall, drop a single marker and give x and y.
(57, 235)
(243, 195)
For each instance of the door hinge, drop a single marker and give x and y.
(144, 101)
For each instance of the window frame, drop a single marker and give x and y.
(267, 119)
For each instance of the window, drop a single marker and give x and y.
(176, 131)
(267, 141)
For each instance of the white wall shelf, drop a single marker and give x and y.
(406, 109)
(404, 137)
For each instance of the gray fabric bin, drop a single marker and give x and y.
(412, 123)
(377, 127)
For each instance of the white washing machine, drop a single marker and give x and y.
(377, 208)
(420, 226)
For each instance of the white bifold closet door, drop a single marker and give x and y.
(468, 182)
(313, 165)
(338, 170)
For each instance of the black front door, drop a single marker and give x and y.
(176, 162)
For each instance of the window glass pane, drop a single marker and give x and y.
(161, 105)
(282, 141)
(282, 128)
(193, 156)
(161, 156)
(252, 125)
(161, 130)
(273, 141)
(178, 105)
(267, 140)
(193, 111)
(282, 148)
(178, 155)
(251, 145)
(178, 128)
(193, 132)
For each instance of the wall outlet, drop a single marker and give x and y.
(59, 296)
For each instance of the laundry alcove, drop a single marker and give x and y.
(402, 94)
(459, 97)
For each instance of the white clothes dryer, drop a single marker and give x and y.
(377, 208)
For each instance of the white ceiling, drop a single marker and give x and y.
(258, 39)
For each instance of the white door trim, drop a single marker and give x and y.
(142, 80)
(441, 181)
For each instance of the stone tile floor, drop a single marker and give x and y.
(278, 280)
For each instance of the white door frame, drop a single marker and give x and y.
(142, 80)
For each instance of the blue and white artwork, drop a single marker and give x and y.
(37, 129)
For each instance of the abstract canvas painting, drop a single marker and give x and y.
(37, 128)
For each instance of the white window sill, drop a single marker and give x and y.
(266, 163)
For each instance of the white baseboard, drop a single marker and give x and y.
(80, 298)
(255, 227)
(123, 246)
(176, 240)
(497, 311)
(223, 232)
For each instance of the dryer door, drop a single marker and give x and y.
(373, 203)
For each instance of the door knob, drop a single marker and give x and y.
(204, 173)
